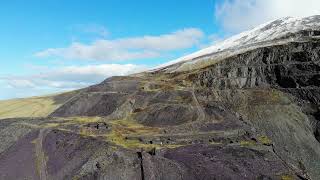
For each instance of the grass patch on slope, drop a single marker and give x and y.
(31, 107)
(121, 129)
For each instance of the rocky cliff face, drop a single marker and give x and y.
(290, 119)
(249, 115)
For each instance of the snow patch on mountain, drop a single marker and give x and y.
(266, 32)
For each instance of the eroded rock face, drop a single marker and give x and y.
(166, 115)
(228, 162)
(92, 104)
(293, 66)
(248, 82)
(18, 161)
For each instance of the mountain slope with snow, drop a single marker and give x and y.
(254, 115)
(281, 31)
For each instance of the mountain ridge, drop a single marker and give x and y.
(263, 35)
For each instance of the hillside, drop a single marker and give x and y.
(33, 107)
(246, 108)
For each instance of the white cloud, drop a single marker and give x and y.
(71, 77)
(127, 48)
(239, 15)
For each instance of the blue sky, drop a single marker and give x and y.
(50, 46)
(41, 24)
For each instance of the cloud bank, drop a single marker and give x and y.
(70, 77)
(239, 15)
(127, 48)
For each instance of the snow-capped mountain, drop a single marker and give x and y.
(284, 30)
